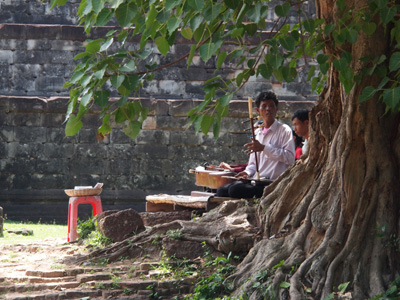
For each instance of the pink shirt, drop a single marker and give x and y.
(278, 152)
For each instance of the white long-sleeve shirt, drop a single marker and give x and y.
(278, 152)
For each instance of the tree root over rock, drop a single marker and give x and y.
(229, 228)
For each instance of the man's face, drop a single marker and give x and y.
(267, 111)
(301, 128)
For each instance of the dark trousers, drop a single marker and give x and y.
(240, 189)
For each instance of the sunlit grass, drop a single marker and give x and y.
(40, 232)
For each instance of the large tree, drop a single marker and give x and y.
(333, 217)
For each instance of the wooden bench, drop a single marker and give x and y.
(197, 200)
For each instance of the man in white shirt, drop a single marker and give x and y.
(273, 145)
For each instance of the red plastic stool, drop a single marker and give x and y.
(95, 201)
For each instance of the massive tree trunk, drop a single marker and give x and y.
(334, 217)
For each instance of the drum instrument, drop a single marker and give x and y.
(212, 178)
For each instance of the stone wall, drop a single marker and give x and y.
(37, 161)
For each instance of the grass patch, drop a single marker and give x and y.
(40, 232)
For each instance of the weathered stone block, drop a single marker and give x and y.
(90, 151)
(52, 166)
(169, 123)
(122, 151)
(52, 150)
(57, 135)
(25, 134)
(27, 104)
(26, 119)
(44, 32)
(88, 166)
(151, 151)
(12, 31)
(49, 83)
(156, 166)
(153, 136)
(123, 166)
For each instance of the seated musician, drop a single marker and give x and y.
(274, 147)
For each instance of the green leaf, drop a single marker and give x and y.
(162, 45)
(105, 128)
(309, 25)
(282, 10)
(265, 71)
(206, 123)
(86, 99)
(233, 4)
(284, 285)
(101, 98)
(221, 59)
(322, 58)
(77, 76)
(391, 97)
(387, 13)
(125, 13)
(211, 12)
(173, 24)
(115, 3)
(207, 50)
(120, 116)
(195, 22)
(131, 82)
(187, 33)
(237, 32)
(117, 80)
(97, 6)
(289, 74)
(132, 129)
(128, 67)
(343, 286)
(104, 16)
(254, 13)
(367, 93)
(93, 47)
(394, 63)
(170, 4)
(74, 124)
(329, 28)
(151, 16)
(369, 28)
(353, 35)
(106, 45)
(324, 68)
(288, 42)
(340, 64)
(225, 99)
(311, 73)
(100, 73)
(197, 5)
(275, 60)
(251, 28)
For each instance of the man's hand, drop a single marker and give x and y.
(242, 174)
(254, 146)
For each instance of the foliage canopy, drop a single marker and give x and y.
(111, 66)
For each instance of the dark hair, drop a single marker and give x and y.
(266, 96)
(298, 140)
(301, 114)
